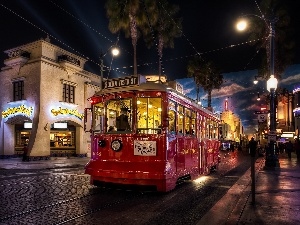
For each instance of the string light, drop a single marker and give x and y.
(118, 70)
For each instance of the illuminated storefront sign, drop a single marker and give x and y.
(22, 109)
(66, 111)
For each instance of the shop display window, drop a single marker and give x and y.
(62, 137)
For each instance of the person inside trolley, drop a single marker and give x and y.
(122, 121)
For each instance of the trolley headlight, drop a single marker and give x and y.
(116, 145)
(101, 143)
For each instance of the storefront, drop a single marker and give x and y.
(62, 139)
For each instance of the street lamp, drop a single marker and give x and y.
(271, 158)
(114, 51)
(258, 97)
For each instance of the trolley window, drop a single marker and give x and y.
(203, 126)
(172, 117)
(180, 119)
(208, 128)
(187, 114)
(149, 115)
(193, 123)
(119, 115)
(216, 129)
(98, 117)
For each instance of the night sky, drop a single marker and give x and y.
(81, 27)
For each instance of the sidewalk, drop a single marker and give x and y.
(277, 197)
(54, 162)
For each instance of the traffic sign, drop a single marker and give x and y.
(262, 118)
(272, 136)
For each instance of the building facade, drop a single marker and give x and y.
(43, 95)
(296, 110)
(285, 117)
(231, 125)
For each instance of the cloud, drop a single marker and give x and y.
(290, 80)
(189, 90)
(228, 90)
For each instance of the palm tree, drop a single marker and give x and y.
(195, 72)
(277, 11)
(128, 16)
(167, 27)
(205, 75)
(214, 81)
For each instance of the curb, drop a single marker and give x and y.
(229, 209)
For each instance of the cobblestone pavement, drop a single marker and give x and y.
(64, 196)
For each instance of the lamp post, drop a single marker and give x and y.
(114, 51)
(271, 158)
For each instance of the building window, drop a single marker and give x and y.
(68, 93)
(18, 90)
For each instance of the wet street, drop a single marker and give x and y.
(64, 196)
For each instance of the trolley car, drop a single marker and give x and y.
(148, 133)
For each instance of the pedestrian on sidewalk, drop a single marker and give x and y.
(25, 151)
(289, 149)
(232, 147)
(239, 148)
(252, 147)
(297, 148)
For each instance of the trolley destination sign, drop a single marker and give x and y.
(121, 82)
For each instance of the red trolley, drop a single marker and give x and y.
(149, 133)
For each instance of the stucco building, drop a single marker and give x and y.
(231, 125)
(43, 95)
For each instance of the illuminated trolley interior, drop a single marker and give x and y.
(147, 133)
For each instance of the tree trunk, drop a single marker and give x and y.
(160, 49)
(197, 90)
(134, 36)
(209, 99)
(134, 60)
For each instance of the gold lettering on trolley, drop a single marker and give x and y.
(210, 150)
(73, 112)
(20, 109)
(188, 151)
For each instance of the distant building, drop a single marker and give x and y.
(231, 125)
(285, 117)
(44, 91)
(285, 120)
(296, 111)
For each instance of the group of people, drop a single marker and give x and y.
(290, 147)
(287, 147)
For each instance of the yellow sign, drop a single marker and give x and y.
(22, 109)
(73, 112)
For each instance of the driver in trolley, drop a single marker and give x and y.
(122, 120)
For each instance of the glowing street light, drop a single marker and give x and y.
(115, 51)
(241, 25)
